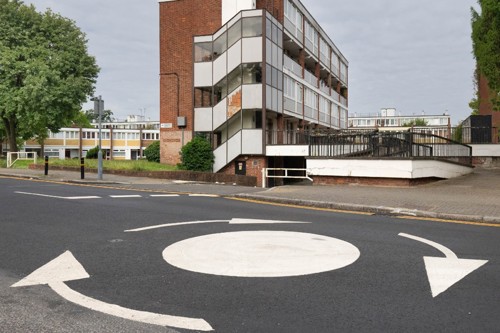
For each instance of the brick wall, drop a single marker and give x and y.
(254, 166)
(180, 21)
(275, 7)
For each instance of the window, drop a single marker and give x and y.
(220, 45)
(202, 97)
(252, 73)
(203, 52)
(220, 91)
(252, 26)
(234, 34)
(234, 80)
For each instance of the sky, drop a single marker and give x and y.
(414, 56)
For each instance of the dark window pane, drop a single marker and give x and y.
(252, 73)
(220, 45)
(234, 34)
(252, 26)
(203, 52)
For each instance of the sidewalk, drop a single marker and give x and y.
(475, 197)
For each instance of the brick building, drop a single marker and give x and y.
(247, 74)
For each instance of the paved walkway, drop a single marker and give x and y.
(475, 197)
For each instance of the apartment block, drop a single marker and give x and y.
(247, 75)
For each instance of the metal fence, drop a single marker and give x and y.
(374, 144)
(388, 145)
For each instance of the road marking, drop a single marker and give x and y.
(443, 273)
(204, 195)
(433, 219)
(58, 197)
(163, 195)
(82, 198)
(260, 202)
(263, 254)
(67, 268)
(125, 196)
(232, 221)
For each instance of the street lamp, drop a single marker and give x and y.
(98, 109)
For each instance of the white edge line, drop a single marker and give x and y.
(81, 198)
(40, 195)
(446, 251)
(166, 225)
(250, 221)
(205, 195)
(163, 195)
(141, 316)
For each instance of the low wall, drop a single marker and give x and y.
(177, 175)
(387, 172)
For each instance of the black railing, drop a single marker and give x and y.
(374, 144)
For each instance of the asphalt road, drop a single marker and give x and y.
(338, 272)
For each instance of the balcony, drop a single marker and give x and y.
(292, 66)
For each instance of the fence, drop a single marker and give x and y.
(387, 145)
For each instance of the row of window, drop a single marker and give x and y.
(105, 135)
(246, 27)
(314, 39)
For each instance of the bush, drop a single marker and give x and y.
(92, 153)
(197, 155)
(152, 152)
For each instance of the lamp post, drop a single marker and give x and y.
(98, 109)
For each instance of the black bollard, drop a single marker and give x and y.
(46, 165)
(82, 168)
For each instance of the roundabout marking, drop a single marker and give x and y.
(261, 254)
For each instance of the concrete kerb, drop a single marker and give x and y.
(382, 210)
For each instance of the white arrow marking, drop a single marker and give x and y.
(445, 272)
(233, 221)
(67, 268)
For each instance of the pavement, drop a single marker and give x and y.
(474, 197)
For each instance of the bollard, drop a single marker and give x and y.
(46, 165)
(82, 168)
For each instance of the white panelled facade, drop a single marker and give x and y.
(249, 82)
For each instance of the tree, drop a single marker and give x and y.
(45, 70)
(152, 152)
(415, 122)
(106, 116)
(197, 155)
(81, 120)
(486, 45)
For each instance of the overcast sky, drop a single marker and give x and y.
(414, 56)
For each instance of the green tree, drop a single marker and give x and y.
(197, 155)
(486, 44)
(81, 120)
(45, 70)
(92, 153)
(106, 117)
(152, 152)
(415, 122)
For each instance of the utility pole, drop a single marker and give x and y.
(98, 110)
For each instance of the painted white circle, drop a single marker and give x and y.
(261, 254)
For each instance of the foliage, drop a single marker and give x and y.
(152, 152)
(139, 165)
(486, 44)
(106, 116)
(81, 120)
(197, 155)
(415, 122)
(474, 103)
(45, 70)
(92, 153)
(457, 133)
